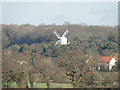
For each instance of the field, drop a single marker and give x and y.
(54, 85)
(43, 85)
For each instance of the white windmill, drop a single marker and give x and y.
(62, 40)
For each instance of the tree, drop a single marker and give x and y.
(20, 68)
(74, 62)
(47, 70)
(30, 58)
(12, 70)
(66, 23)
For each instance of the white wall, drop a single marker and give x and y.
(112, 63)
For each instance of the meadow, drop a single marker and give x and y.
(43, 85)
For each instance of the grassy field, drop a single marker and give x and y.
(54, 85)
(11, 85)
(43, 85)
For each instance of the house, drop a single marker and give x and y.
(90, 64)
(107, 62)
(21, 62)
(7, 53)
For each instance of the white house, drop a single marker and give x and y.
(107, 62)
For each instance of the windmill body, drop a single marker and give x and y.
(62, 40)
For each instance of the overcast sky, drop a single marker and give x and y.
(91, 13)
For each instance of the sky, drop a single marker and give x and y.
(91, 13)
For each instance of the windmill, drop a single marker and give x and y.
(61, 40)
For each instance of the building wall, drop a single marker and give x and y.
(112, 63)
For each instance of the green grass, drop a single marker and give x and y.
(60, 85)
(43, 85)
(53, 85)
(40, 85)
(11, 85)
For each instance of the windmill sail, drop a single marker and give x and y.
(57, 42)
(57, 35)
(65, 33)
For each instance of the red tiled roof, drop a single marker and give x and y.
(106, 59)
